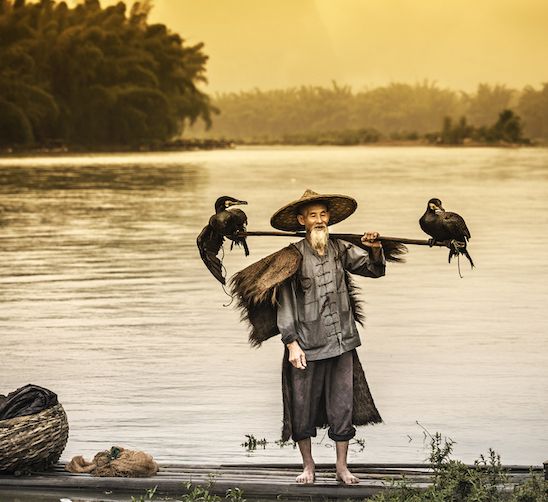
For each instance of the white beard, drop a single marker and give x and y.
(319, 237)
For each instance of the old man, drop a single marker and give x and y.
(305, 293)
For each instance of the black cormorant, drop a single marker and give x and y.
(446, 226)
(224, 223)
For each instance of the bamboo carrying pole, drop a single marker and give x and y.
(402, 240)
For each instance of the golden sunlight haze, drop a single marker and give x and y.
(271, 44)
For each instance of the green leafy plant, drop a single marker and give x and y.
(251, 443)
(199, 493)
(149, 495)
(535, 489)
(454, 481)
(235, 495)
(283, 444)
(196, 493)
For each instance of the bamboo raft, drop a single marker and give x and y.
(256, 481)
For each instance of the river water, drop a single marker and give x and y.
(104, 299)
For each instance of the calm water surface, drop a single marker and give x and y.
(104, 299)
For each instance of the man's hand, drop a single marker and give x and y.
(369, 239)
(296, 355)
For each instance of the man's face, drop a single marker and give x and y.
(314, 216)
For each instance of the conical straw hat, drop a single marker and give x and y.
(340, 208)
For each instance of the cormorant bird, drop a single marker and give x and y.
(224, 223)
(446, 226)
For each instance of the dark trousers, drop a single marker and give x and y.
(327, 382)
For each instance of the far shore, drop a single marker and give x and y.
(178, 145)
(214, 144)
(398, 143)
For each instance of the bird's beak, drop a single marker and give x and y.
(437, 209)
(237, 203)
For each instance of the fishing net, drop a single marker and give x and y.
(116, 462)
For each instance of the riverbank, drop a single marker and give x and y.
(197, 144)
(182, 145)
(368, 137)
(390, 143)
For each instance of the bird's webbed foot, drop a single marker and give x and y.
(456, 245)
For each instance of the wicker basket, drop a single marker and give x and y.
(33, 442)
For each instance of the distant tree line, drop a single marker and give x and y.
(91, 76)
(395, 111)
(508, 129)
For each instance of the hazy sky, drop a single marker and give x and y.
(279, 43)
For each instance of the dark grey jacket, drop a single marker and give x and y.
(314, 307)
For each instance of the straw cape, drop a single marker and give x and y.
(340, 208)
(255, 289)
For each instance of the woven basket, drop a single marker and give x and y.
(33, 442)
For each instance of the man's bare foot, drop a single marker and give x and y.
(308, 475)
(346, 477)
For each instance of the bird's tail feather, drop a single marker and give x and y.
(240, 242)
(465, 253)
(457, 248)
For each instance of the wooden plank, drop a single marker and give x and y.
(321, 466)
(256, 480)
(357, 465)
(174, 486)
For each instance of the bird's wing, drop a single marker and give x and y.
(425, 227)
(456, 225)
(218, 221)
(234, 220)
(209, 243)
(242, 217)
